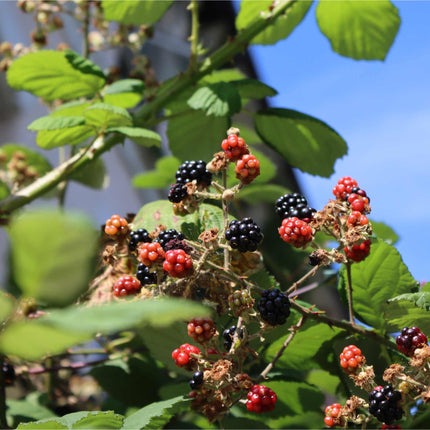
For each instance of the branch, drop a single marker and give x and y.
(194, 38)
(349, 291)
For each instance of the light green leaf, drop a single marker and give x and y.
(421, 299)
(93, 175)
(384, 232)
(146, 12)
(363, 30)
(262, 193)
(7, 305)
(161, 177)
(42, 425)
(83, 64)
(125, 93)
(304, 141)
(74, 108)
(404, 313)
(105, 115)
(48, 74)
(218, 99)
(4, 190)
(58, 256)
(56, 122)
(142, 136)
(281, 27)
(224, 75)
(253, 89)
(156, 415)
(123, 100)
(380, 277)
(49, 139)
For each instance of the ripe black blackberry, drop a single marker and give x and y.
(136, 237)
(167, 235)
(8, 373)
(145, 276)
(383, 404)
(197, 380)
(294, 205)
(228, 336)
(410, 339)
(274, 306)
(193, 170)
(244, 235)
(177, 193)
(314, 258)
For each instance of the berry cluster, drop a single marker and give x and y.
(182, 356)
(228, 336)
(410, 339)
(274, 307)
(357, 218)
(295, 232)
(140, 235)
(331, 413)
(177, 193)
(240, 300)
(358, 252)
(351, 359)
(193, 171)
(383, 404)
(197, 380)
(234, 147)
(126, 286)
(116, 225)
(244, 235)
(247, 168)
(145, 276)
(201, 329)
(343, 187)
(167, 236)
(261, 399)
(294, 205)
(151, 253)
(177, 263)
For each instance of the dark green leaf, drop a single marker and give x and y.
(56, 122)
(156, 415)
(218, 99)
(421, 299)
(146, 12)
(304, 141)
(324, 380)
(142, 136)
(105, 115)
(27, 410)
(93, 175)
(48, 74)
(380, 277)
(59, 255)
(280, 29)
(253, 89)
(363, 30)
(262, 193)
(161, 177)
(384, 232)
(83, 65)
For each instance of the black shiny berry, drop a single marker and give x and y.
(177, 193)
(167, 235)
(193, 170)
(197, 380)
(410, 339)
(244, 235)
(274, 306)
(228, 336)
(383, 404)
(294, 205)
(314, 258)
(145, 276)
(140, 235)
(8, 373)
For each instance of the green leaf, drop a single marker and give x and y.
(49, 139)
(93, 175)
(125, 93)
(360, 30)
(146, 12)
(161, 177)
(384, 232)
(156, 415)
(218, 99)
(74, 108)
(7, 305)
(380, 277)
(304, 141)
(27, 410)
(280, 29)
(421, 299)
(224, 75)
(56, 122)
(324, 380)
(48, 74)
(59, 255)
(142, 136)
(83, 65)
(253, 89)
(105, 115)
(43, 424)
(404, 313)
(4, 190)
(262, 193)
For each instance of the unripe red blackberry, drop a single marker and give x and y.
(125, 286)
(261, 399)
(151, 253)
(193, 171)
(357, 202)
(358, 252)
(247, 168)
(332, 412)
(140, 235)
(244, 235)
(201, 329)
(177, 193)
(383, 404)
(295, 232)
(274, 306)
(234, 147)
(410, 339)
(356, 219)
(294, 205)
(351, 359)
(166, 236)
(145, 276)
(181, 355)
(177, 263)
(240, 300)
(343, 187)
(116, 225)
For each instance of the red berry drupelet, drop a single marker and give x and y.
(116, 225)
(358, 252)
(177, 263)
(410, 339)
(383, 404)
(351, 359)
(244, 235)
(357, 218)
(295, 232)
(332, 412)
(182, 356)
(201, 329)
(151, 253)
(234, 147)
(274, 306)
(126, 286)
(261, 399)
(247, 168)
(343, 187)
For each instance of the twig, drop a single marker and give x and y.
(349, 291)
(85, 28)
(294, 329)
(302, 279)
(194, 38)
(71, 366)
(225, 216)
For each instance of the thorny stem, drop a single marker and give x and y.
(349, 291)
(85, 28)
(194, 38)
(225, 215)
(302, 279)
(294, 329)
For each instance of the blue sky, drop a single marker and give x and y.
(381, 109)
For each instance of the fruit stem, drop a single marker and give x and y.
(302, 279)
(349, 291)
(194, 38)
(294, 329)
(225, 215)
(85, 28)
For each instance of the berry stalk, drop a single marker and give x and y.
(349, 291)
